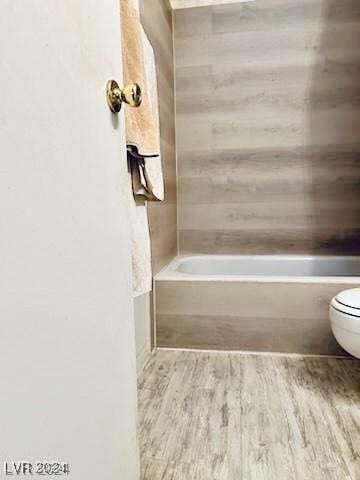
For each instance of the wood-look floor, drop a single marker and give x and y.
(229, 416)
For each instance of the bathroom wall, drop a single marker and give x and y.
(156, 17)
(268, 127)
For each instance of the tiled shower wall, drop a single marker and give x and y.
(268, 127)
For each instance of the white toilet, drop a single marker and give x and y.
(345, 320)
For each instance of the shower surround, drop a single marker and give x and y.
(268, 127)
(268, 146)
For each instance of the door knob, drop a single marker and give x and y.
(130, 94)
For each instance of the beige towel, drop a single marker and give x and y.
(141, 130)
(143, 142)
(147, 176)
(140, 246)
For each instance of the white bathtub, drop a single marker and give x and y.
(272, 268)
(259, 303)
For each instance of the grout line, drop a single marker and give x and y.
(175, 5)
(251, 352)
(153, 317)
(176, 135)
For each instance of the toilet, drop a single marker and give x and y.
(345, 320)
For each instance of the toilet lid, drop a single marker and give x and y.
(350, 298)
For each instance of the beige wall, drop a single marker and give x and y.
(268, 127)
(156, 17)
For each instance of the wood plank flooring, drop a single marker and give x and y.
(229, 416)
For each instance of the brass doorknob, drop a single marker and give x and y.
(130, 94)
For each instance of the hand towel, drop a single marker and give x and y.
(141, 131)
(140, 246)
(147, 176)
(143, 141)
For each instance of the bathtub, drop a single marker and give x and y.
(263, 303)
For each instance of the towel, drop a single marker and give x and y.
(143, 141)
(147, 175)
(141, 130)
(140, 246)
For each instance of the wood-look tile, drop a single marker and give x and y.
(198, 22)
(282, 14)
(271, 241)
(263, 299)
(227, 416)
(194, 80)
(252, 47)
(295, 97)
(163, 232)
(269, 317)
(215, 190)
(268, 115)
(303, 336)
(265, 15)
(274, 214)
(338, 126)
(285, 161)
